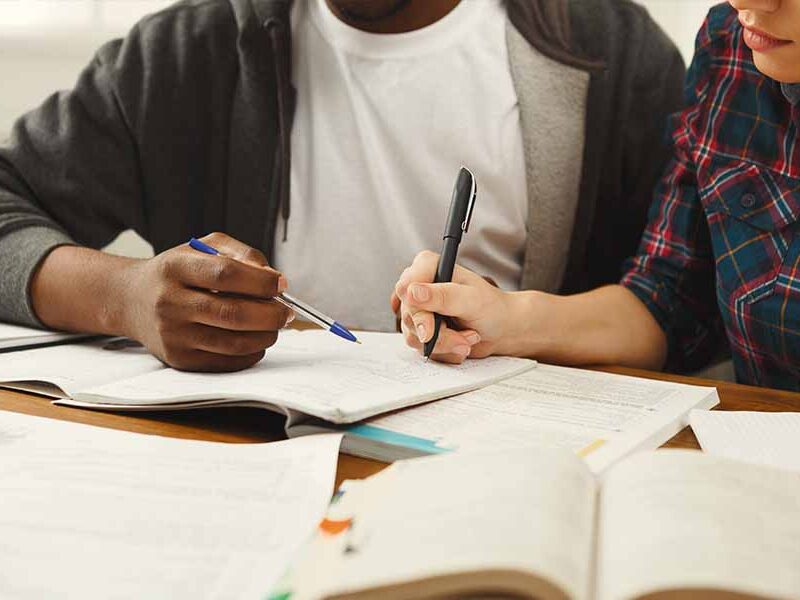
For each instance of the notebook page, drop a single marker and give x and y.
(15, 332)
(319, 374)
(681, 519)
(530, 510)
(92, 513)
(757, 437)
(600, 416)
(14, 336)
(75, 367)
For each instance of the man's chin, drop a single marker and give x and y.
(369, 10)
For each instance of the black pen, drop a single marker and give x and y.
(464, 194)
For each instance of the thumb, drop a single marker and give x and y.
(451, 299)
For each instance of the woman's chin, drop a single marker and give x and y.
(780, 64)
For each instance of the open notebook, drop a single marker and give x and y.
(14, 337)
(600, 416)
(305, 373)
(535, 523)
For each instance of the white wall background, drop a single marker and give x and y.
(681, 19)
(45, 43)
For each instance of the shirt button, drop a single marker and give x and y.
(748, 201)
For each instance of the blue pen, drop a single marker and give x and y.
(301, 308)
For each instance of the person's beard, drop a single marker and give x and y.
(367, 11)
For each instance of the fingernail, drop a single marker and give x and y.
(421, 332)
(421, 293)
(283, 285)
(291, 317)
(462, 350)
(473, 338)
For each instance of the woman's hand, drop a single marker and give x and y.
(609, 325)
(480, 311)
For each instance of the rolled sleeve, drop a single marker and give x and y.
(673, 274)
(29, 246)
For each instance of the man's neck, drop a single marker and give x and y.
(391, 16)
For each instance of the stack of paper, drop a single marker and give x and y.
(600, 416)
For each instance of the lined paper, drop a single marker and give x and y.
(763, 438)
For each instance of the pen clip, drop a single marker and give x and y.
(473, 194)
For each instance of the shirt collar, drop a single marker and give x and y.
(792, 92)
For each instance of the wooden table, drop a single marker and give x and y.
(255, 425)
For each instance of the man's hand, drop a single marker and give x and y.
(479, 310)
(194, 311)
(206, 313)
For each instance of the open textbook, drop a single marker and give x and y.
(536, 523)
(94, 513)
(305, 373)
(600, 416)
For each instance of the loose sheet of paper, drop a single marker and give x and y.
(319, 374)
(758, 437)
(598, 415)
(93, 513)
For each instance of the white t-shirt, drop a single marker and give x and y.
(382, 125)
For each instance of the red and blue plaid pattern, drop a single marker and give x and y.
(722, 247)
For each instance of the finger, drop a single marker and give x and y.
(394, 302)
(223, 274)
(450, 359)
(422, 269)
(481, 350)
(208, 362)
(408, 330)
(423, 323)
(229, 343)
(408, 321)
(451, 299)
(410, 337)
(449, 349)
(235, 249)
(236, 314)
(459, 343)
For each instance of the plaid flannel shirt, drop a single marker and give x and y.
(722, 247)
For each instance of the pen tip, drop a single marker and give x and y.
(357, 342)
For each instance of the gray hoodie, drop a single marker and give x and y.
(182, 128)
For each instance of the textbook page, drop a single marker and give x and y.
(757, 437)
(75, 367)
(530, 511)
(600, 416)
(14, 336)
(93, 513)
(678, 519)
(317, 373)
